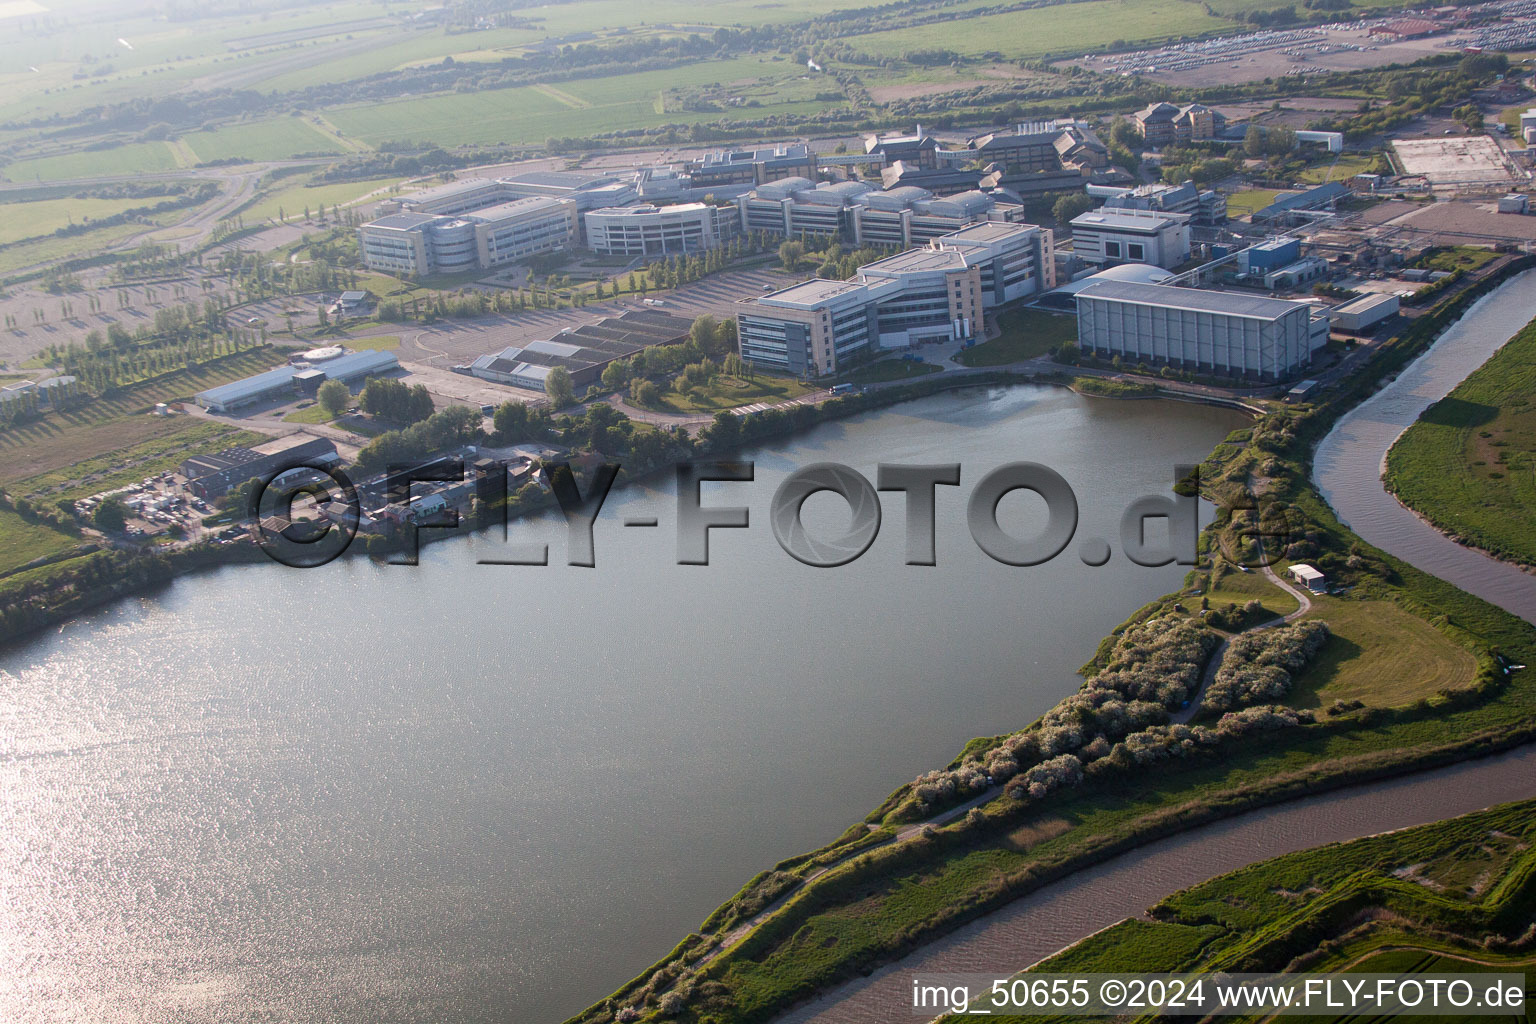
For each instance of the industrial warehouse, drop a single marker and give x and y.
(299, 378)
(1224, 332)
(583, 351)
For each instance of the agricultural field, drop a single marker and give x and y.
(48, 248)
(132, 158)
(125, 465)
(532, 114)
(29, 220)
(279, 138)
(58, 441)
(1022, 35)
(1379, 655)
(393, 52)
(1467, 464)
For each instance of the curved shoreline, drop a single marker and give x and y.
(1349, 461)
(879, 997)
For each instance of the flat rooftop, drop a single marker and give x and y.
(402, 221)
(809, 294)
(986, 231)
(1126, 220)
(1198, 300)
(514, 208)
(917, 261)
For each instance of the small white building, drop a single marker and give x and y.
(1108, 237)
(1308, 577)
(1515, 203)
(1363, 313)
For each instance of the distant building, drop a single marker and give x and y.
(1204, 206)
(916, 149)
(1515, 203)
(752, 166)
(863, 215)
(1155, 122)
(1270, 254)
(1207, 331)
(1105, 237)
(648, 230)
(1406, 28)
(210, 477)
(1042, 156)
(1527, 120)
(1198, 123)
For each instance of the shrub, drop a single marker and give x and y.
(1259, 666)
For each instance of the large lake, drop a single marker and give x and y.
(486, 793)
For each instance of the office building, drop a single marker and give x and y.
(1203, 206)
(863, 215)
(1041, 156)
(1155, 122)
(648, 230)
(752, 166)
(1214, 332)
(938, 293)
(422, 243)
(1106, 237)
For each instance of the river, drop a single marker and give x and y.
(1348, 470)
(1350, 459)
(487, 793)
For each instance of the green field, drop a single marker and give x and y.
(133, 158)
(1089, 25)
(531, 114)
(1379, 655)
(1347, 166)
(48, 248)
(1241, 204)
(21, 541)
(1468, 465)
(278, 138)
(291, 199)
(29, 220)
(887, 370)
(1238, 587)
(1026, 334)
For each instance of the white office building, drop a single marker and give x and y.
(861, 214)
(423, 243)
(934, 294)
(659, 230)
(1217, 332)
(1107, 237)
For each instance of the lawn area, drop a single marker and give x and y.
(889, 370)
(133, 462)
(25, 254)
(1238, 587)
(732, 392)
(309, 414)
(123, 420)
(1241, 204)
(1468, 464)
(126, 159)
(278, 138)
(21, 541)
(1026, 333)
(1031, 33)
(1347, 166)
(378, 343)
(28, 220)
(1379, 655)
